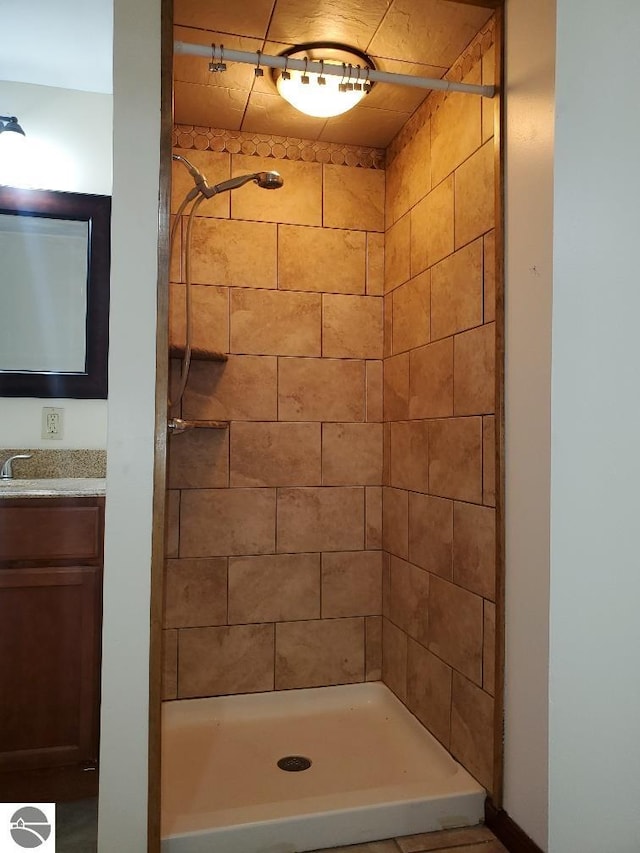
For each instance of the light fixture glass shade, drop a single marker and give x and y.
(320, 94)
(314, 99)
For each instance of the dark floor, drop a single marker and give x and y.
(77, 826)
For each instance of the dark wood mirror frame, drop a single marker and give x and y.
(96, 211)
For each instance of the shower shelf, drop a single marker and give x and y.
(197, 353)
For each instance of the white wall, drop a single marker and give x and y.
(67, 147)
(130, 450)
(594, 722)
(530, 37)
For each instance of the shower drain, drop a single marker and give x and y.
(294, 763)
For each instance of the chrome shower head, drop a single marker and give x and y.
(269, 180)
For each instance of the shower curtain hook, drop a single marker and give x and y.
(213, 66)
(349, 83)
(366, 86)
(305, 77)
(358, 85)
(342, 86)
(286, 74)
(258, 72)
(222, 65)
(321, 79)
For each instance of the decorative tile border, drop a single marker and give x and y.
(58, 463)
(279, 147)
(467, 60)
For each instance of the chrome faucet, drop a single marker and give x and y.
(6, 472)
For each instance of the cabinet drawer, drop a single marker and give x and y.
(51, 532)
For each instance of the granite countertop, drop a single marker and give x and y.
(53, 487)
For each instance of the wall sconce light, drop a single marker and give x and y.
(320, 95)
(10, 123)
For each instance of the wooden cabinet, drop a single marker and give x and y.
(50, 622)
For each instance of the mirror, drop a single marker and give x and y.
(54, 293)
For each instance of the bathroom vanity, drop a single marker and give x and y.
(51, 558)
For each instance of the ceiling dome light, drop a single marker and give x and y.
(325, 95)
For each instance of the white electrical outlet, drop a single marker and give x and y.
(52, 422)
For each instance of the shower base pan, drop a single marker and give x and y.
(375, 772)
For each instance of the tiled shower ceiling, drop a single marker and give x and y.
(417, 37)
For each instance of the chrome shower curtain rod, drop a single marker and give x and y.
(259, 59)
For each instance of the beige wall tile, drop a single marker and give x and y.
(475, 195)
(396, 387)
(374, 391)
(274, 588)
(431, 380)
(386, 454)
(214, 166)
(474, 374)
(396, 254)
(199, 459)
(431, 534)
(489, 648)
(375, 264)
(319, 653)
(489, 277)
(429, 691)
(351, 326)
(237, 254)
(209, 317)
(455, 458)
(298, 201)
(394, 659)
(387, 324)
(351, 584)
(325, 519)
(409, 174)
(373, 648)
(314, 389)
(275, 454)
(220, 522)
(456, 292)
(217, 661)
(410, 455)
(353, 198)
(395, 522)
(456, 132)
(173, 523)
(409, 599)
(169, 665)
(321, 259)
(175, 261)
(195, 593)
(432, 227)
(412, 313)
(474, 548)
(488, 104)
(243, 388)
(489, 460)
(271, 322)
(373, 517)
(472, 729)
(455, 627)
(351, 454)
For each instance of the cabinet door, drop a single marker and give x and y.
(49, 666)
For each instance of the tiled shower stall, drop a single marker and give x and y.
(342, 528)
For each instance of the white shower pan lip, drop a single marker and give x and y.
(376, 772)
